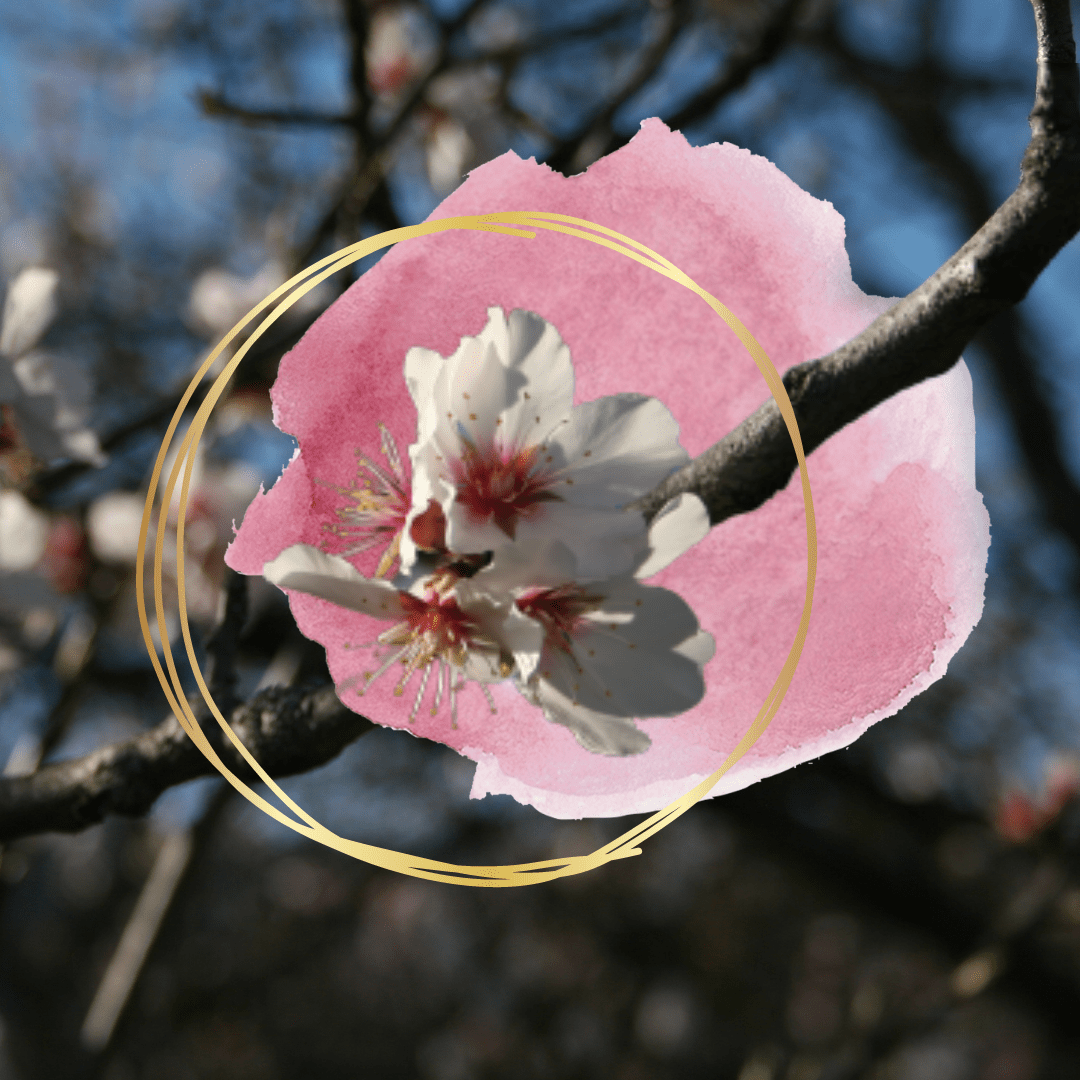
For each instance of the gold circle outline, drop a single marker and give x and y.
(511, 223)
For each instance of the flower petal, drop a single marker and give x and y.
(538, 353)
(605, 543)
(700, 648)
(471, 391)
(617, 449)
(680, 524)
(527, 565)
(623, 658)
(29, 308)
(422, 367)
(524, 638)
(599, 733)
(500, 621)
(306, 569)
(518, 405)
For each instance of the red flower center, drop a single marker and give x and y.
(501, 485)
(435, 636)
(440, 624)
(559, 611)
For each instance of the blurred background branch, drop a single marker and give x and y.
(919, 337)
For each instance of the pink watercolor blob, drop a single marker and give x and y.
(903, 534)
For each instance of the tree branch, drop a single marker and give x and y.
(927, 132)
(924, 334)
(615, 19)
(288, 731)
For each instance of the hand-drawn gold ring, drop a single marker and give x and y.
(511, 223)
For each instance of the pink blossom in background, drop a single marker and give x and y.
(903, 533)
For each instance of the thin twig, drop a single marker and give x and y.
(223, 643)
(769, 40)
(616, 19)
(171, 865)
(595, 140)
(358, 20)
(767, 44)
(376, 150)
(215, 105)
(135, 941)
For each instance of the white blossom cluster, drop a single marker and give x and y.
(518, 556)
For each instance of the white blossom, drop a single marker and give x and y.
(615, 650)
(518, 557)
(509, 458)
(613, 654)
(446, 627)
